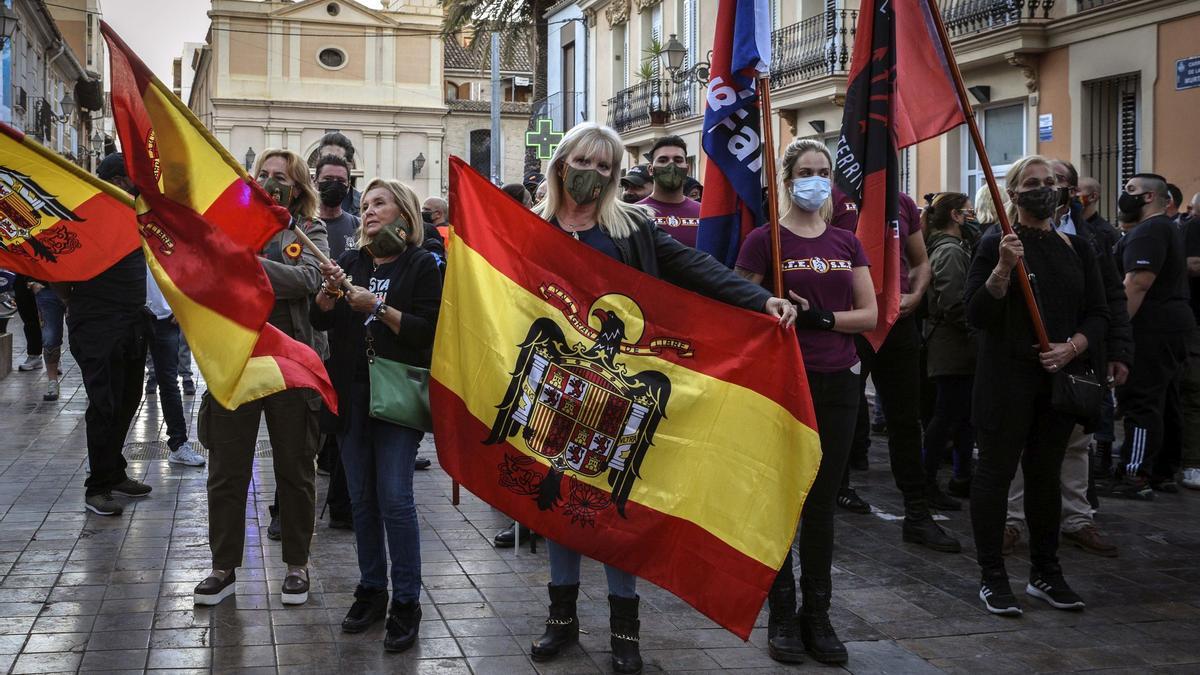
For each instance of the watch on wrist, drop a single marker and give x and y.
(380, 310)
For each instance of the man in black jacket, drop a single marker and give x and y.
(1113, 356)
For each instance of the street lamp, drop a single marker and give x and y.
(418, 164)
(249, 158)
(676, 54)
(67, 104)
(97, 143)
(8, 23)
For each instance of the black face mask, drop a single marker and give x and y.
(427, 216)
(332, 192)
(1039, 202)
(1129, 207)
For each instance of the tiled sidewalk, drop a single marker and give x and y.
(82, 592)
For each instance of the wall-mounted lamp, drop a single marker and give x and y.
(418, 164)
(8, 23)
(981, 92)
(818, 126)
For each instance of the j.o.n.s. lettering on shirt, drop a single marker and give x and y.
(817, 264)
(676, 221)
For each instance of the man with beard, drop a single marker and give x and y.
(674, 212)
(635, 184)
(1152, 259)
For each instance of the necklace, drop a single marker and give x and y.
(574, 230)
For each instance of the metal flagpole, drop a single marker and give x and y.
(768, 151)
(1035, 315)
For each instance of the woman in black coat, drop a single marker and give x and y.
(1014, 419)
(391, 308)
(581, 201)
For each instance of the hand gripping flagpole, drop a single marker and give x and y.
(768, 146)
(1021, 272)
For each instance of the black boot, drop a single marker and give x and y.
(369, 606)
(783, 635)
(403, 622)
(919, 528)
(815, 629)
(624, 626)
(562, 627)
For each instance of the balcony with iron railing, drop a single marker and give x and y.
(815, 47)
(653, 102)
(965, 18)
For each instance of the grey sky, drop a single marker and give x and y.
(157, 29)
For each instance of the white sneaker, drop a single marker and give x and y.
(1191, 478)
(87, 465)
(186, 455)
(31, 363)
(52, 391)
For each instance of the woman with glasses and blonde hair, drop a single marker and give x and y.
(1015, 420)
(291, 414)
(825, 271)
(391, 308)
(582, 203)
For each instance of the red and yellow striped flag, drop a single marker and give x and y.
(642, 425)
(204, 221)
(58, 222)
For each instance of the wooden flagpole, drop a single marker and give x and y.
(768, 160)
(1035, 315)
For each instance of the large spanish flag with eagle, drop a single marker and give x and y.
(645, 426)
(57, 222)
(204, 220)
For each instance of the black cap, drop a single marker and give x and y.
(637, 176)
(111, 166)
(533, 180)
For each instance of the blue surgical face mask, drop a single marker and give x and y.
(810, 193)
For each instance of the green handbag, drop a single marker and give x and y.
(399, 392)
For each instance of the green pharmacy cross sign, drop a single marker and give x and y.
(545, 139)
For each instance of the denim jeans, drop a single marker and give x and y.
(164, 350)
(564, 571)
(378, 459)
(183, 365)
(51, 310)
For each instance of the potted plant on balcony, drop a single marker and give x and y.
(649, 72)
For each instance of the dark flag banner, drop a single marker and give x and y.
(900, 92)
(732, 203)
(608, 410)
(58, 222)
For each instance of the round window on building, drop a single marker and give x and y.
(333, 9)
(332, 58)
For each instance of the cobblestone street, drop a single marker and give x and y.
(83, 592)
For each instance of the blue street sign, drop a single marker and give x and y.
(1187, 73)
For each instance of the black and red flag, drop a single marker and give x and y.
(900, 92)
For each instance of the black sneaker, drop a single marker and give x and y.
(132, 488)
(421, 464)
(1132, 487)
(1167, 485)
(274, 529)
(369, 606)
(103, 504)
(1054, 590)
(189, 388)
(998, 598)
(848, 499)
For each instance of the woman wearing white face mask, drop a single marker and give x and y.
(825, 272)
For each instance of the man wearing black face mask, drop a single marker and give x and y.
(674, 212)
(1152, 259)
(333, 184)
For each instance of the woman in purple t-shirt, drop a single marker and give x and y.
(825, 272)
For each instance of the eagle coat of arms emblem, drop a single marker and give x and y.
(580, 408)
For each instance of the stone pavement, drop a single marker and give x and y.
(83, 592)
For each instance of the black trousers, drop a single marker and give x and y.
(896, 371)
(835, 402)
(338, 496)
(1028, 432)
(111, 353)
(28, 311)
(951, 422)
(1158, 360)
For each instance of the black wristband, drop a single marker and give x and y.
(815, 319)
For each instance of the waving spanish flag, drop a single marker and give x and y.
(204, 221)
(617, 414)
(58, 222)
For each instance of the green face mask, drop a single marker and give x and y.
(584, 185)
(391, 240)
(669, 177)
(280, 192)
